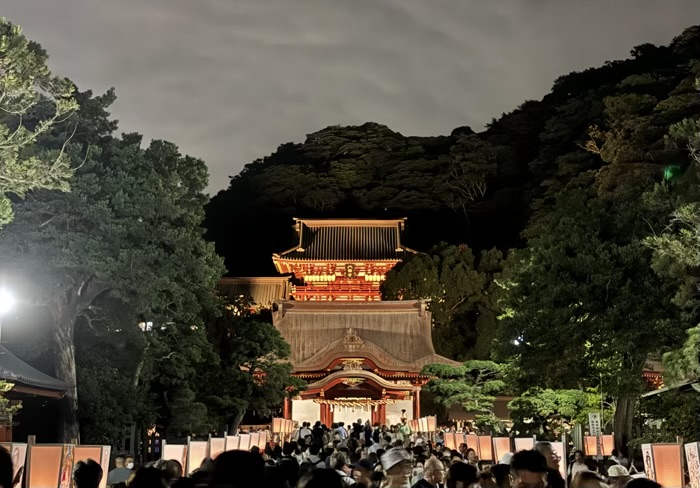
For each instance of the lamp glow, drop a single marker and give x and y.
(7, 301)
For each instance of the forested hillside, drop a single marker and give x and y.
(467, 187)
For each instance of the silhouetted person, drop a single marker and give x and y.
(148, 478)
(528, 469)
(461, 475)
(238, 469)
(5, 468)
(642, 483)
(321, 478)
(87, 474)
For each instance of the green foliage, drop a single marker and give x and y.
(550, 413)
(669, 415)
(472, 385)
(462, 295)
(26, 86)
(129, 229)
(254, 374)
(584, 305)
(7, 407)
(684, 363)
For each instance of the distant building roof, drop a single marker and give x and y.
(395, 335)
(14, 370)
(347, 240)
(261, 291)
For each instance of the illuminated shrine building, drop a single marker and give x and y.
(361, 357)
(342, 259)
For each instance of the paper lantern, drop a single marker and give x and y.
(485, 448)
(277, 425)
(472, 441)
(501, 447)
(449, 438)
(524, 443)
(432, 424)
(589, 445)
(50, 465)
(692, 461)
(255, 440)
(244, 443)
(232, 442)
(178, 452)
(667, 461)
(608, 444)
(196, 453)
(217, 445)
(99, 454)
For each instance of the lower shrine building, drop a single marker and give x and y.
(361, 357)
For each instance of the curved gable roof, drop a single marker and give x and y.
(396, 335)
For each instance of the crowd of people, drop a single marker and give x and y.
(363, 456)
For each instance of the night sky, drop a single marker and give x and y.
(230, 80)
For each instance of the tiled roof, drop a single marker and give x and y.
(348, 240)
(396, 335)
(262, 292)
(14, 370)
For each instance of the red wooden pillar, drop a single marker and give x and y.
(416, 404)
(287, 410)
(381, 414)
(326, 415)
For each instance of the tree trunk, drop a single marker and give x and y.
(65, 307)
(63, 316)
(236, 422)
(622, 422)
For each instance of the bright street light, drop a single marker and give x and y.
(7, 301)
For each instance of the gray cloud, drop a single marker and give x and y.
(230, 80)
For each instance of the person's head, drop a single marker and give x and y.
(321, 478)
(528, 469)
(463, 448)
(148, 478)
(642, 483)
(340, 462)
(315, 449)
(592, 465)
(471, 456)
(433, 471)
(397, 464)
(486, 480)
(129, 462)
(87, 474)
(615, 471)
(578, 456)
(546, 449)
(237, 468)
(119, 461)
(362, 471)
(587, 479)
(172, 470)
(501, 473)
(461, 475)
(615, 453)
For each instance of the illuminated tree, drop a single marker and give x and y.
(27, 89)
